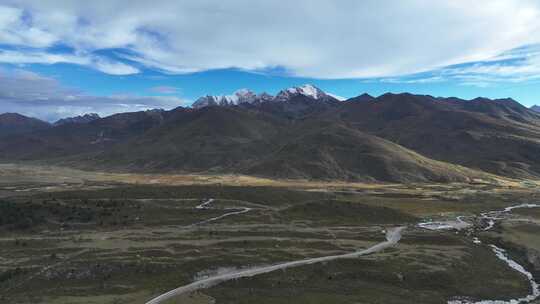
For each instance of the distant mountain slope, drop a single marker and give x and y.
(86, 118)
(341, 153)
(361, 98)
(304, 133)
(237, 140)
(211, 138)
(72, 139)
(13, 123)
(499, 136)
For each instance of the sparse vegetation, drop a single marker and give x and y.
(125, 244)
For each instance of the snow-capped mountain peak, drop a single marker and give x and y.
(243, 96)
(86, 118)
(246, 96)
(238, 97)
(265, 97)
(307, 90)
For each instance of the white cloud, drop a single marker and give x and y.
(516, 70)
(321, 39)
(164, 90)
(514, 66)
(39, 57)
(43, 97)
(428, 79)
(113, 68)
(13, 30)
(100, 64)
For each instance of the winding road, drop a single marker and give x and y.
(206, 205)
(393, 235)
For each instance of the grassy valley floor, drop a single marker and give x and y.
(69, 236)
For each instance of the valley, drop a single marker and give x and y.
(297, 197)
(269, 152)
(71, 236)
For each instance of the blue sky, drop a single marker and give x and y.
(71, 57)
(220, 82)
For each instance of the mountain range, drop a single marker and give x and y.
(13, 123)
(301, 132)
(77, 119)
(245, 96)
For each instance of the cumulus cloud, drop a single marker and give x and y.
(33, 95)
(320, 39)
(13, 30)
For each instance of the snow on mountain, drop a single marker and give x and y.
(307, 90)
(340, 98)
(238, 97)
(247, 96)
(241, 96)
(265, 97)
(86, 118)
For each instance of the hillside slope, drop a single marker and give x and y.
(394, 137)
(341, 153)
(13, 123)
(212, 138)
(499, 136)
(235, 140)
(68, 140)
